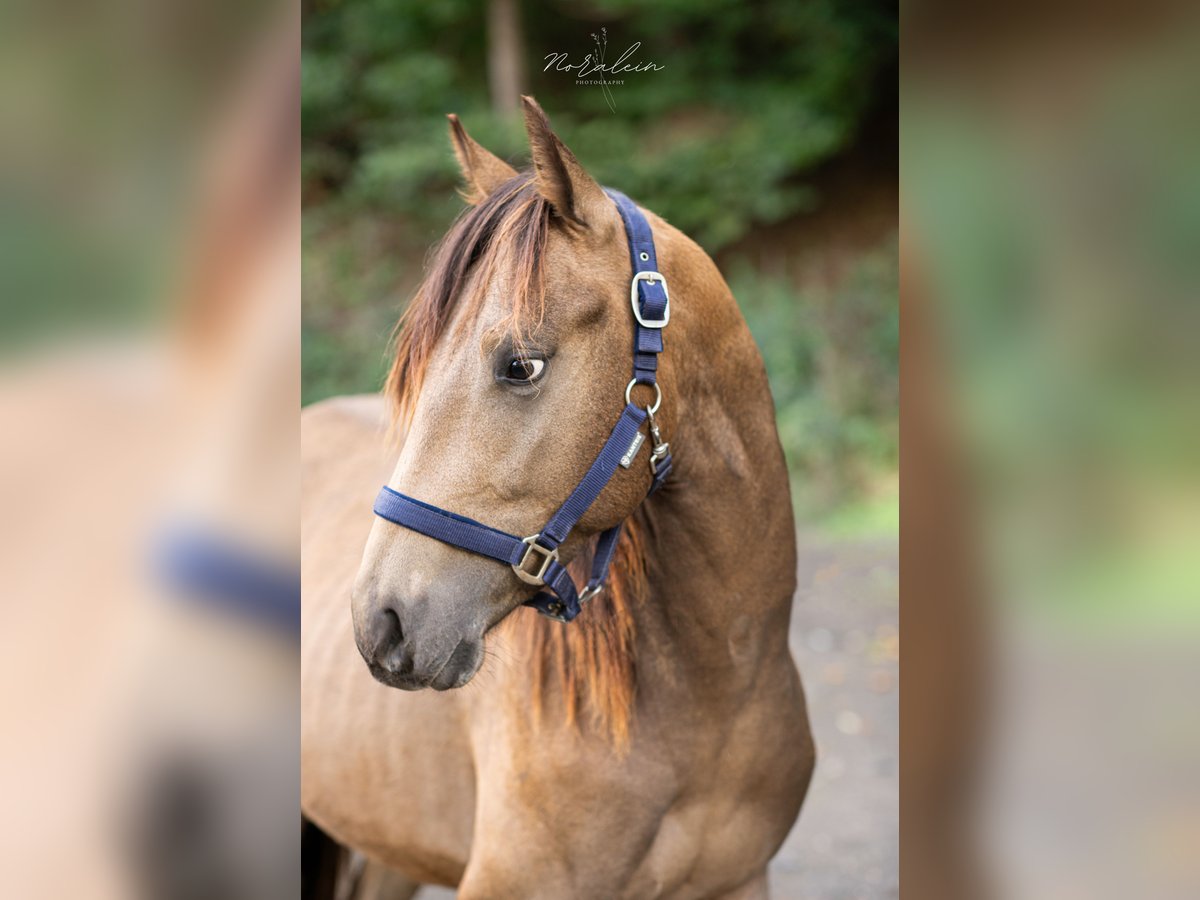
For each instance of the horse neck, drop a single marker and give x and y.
(722, 554)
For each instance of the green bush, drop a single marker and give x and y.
(753, 96)
(832, 359)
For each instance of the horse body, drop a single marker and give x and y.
(490, 786)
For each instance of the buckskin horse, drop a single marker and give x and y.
(658, 744)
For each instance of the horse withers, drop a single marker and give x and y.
(658, 744)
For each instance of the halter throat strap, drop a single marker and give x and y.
(534, 559)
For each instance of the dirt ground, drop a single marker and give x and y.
(845, 639)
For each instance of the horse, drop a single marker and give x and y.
(657, 746)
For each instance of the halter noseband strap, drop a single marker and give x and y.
(535, 559)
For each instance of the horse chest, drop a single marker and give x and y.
(723, 826)
(656, 823)
(691, 856)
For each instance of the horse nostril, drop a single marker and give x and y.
(393, 626)
(388, 634)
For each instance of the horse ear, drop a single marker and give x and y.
(482, 170)
(572, 192)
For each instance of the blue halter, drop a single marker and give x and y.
(199, 564)
(535, 559)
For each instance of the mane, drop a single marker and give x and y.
(505, 236)
(585, 670)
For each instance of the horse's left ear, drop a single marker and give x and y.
(482, 170)
(572, 192)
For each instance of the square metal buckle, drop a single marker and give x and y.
(548, 556)
(649, 278)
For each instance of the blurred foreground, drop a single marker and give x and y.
(149, 383)
(1051, 468)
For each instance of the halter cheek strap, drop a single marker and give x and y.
(534, 559)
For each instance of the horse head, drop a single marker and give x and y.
(512, 364)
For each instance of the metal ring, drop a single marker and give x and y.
(657, 395)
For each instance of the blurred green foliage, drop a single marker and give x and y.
(831, 356)
(754, 97)
(1068, 320)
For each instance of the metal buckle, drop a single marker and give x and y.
(649, 278)
(548, 556)
(589, 592)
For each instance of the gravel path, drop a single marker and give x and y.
(845, 639)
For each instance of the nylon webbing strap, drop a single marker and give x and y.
(468, 534)
(198, 563)
(448, 527)
(652, 303)
(599, 475)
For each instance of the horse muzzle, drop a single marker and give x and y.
(405, 646)
(458, 669)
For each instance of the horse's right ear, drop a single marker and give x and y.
(482, 170)
(573, 193)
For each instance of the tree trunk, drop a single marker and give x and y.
(506, 55)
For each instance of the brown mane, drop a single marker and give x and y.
(591, 661)
(505, 235)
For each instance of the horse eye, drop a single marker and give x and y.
(525, 369)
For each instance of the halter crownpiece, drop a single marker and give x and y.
(534, 559)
